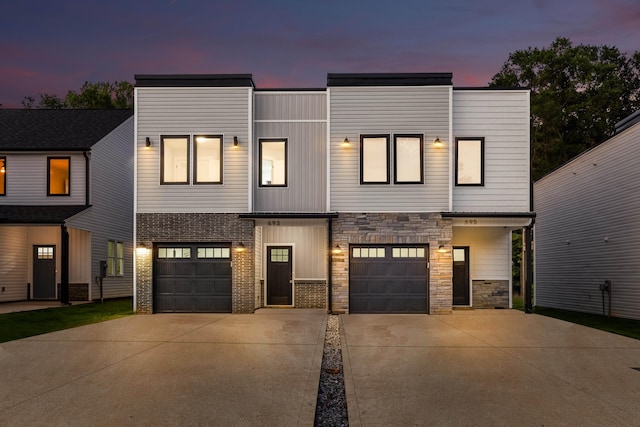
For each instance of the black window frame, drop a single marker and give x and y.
(388, 162)
(162, 150)
(286, 162)
(482, 149)
(3, 176)
(195, 160)
(395, 157)
(49, 193)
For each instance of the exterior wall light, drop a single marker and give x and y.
(235, 143)
(147, 142)
(437, 142)
(337, 250)
(346, 142)
(240, 247)
(442, 249)
(143, 250)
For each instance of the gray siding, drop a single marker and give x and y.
(587, 229)
(111, 214)
(489, 250)
(388, 110)
(189, 111)
(502, 118)
(27, 180)
(13, 263)
(301, 119)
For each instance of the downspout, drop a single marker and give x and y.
(329, 264)
(528, 285)
(87, 181)
(64, 265)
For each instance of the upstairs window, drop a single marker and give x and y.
(3, 174)
(58, 176)
(174, 153)
(470, 161)
(273, 163)
(208, 159)
(374, 159)
(409, 159)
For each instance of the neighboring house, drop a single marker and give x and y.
(382, 193)
(66, 203)
(587, 229)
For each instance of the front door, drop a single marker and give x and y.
(44, 272)
(461, 276)
(279, 275)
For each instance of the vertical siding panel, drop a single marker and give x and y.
(389, 110)
(13, 263)
(189, 111)
(502, 118)
(487, 249)
(310, 248)
(587, 229)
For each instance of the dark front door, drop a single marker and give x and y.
(279, 276)
(461, 276)
(44, 272)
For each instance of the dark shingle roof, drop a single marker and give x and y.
(50, 130)
(38, 214)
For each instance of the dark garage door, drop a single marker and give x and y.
(388, 279)
(192, 278)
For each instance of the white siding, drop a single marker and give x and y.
(13, 263)
(489, 251)
(502, 118)
(110, 216)
(44, 235)
(290, 105)
(189, 111)
(388, 110)
(79, 256)
(26, 180)
(587, 230)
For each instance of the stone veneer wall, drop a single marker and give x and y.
(490, 293)
(311, 294)
(389, 228)
(196, 227)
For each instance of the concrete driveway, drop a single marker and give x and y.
(195, 369)
(487, 368)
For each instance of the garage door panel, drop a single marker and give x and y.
(388, 279)
(192, 278)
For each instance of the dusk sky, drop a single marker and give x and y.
(51, 46)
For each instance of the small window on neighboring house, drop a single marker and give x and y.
(115, 258)
(409, 159)
(3, 174)
(469, 161)
(208, 159)
(58, 176)
(175, 160)
(374, 159)
(273, 163)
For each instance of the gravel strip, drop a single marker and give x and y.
(331, 406)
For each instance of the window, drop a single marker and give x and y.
(175, 160)
(174, 252)
(279, 255)
(208, 159)
(214, 253)
(273, 163)
(408, 253)
(115, 258)
(409, 159)
(374, 159)
(45, 252)
(369, 252)
(58, 169)
(469, 161)
(3, 174)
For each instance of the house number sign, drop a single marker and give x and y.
(471, 221)
(273, 223)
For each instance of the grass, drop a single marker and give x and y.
(25, 324)
(626, 327)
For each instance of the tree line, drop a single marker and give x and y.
(101, 95)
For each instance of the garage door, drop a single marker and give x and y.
(388, 279)
(192, 278)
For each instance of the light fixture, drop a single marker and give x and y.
(235, 141)
(337, 250)
(442, 249)
(240, 247)
(437, 142)
(143, 250)
(147, 142)
(346, 142)
(2, 169)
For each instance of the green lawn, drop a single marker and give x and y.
(24, 324)
(627, 327)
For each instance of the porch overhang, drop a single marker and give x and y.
(48, 215)
(490, 219)
(289, 215)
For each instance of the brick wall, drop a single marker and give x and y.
(389, 228)
(490, 293)
(311, 294)
(196, 227)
